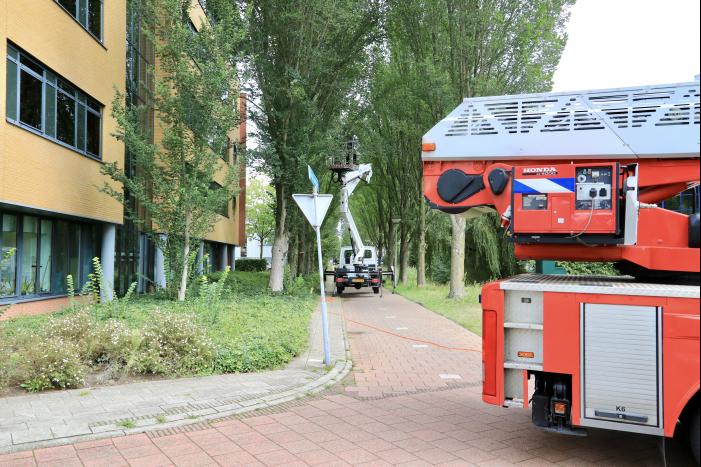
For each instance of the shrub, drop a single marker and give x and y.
(112, 343)
(251, 264)
(580, 268)
(440, 272)
(75, 327)
(173, 344)
(51, 363)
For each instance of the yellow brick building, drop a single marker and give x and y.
(63, 60)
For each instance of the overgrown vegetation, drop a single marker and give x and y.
(465, 311)
(231, 324)
(580, 268)
(251, 264)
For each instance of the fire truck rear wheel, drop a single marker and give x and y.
(695, 436)
(375, 290)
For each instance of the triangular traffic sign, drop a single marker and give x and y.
(314, 207)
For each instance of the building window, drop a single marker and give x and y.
(40, 253)
(8, 254)
(39, 100)
(223, 210)
(87, 12)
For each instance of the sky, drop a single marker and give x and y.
(619, 43)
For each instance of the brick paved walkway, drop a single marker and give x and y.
(399, 411)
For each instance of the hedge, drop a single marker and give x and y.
(251, 264)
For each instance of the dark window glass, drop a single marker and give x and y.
(30, 250)
(11, 101)
(95, 17)
(60, 257)
(93, 128)
(69, 5)
(65, 119)
(68, 114)
(80, 123)
(50, 111)
(74, 253)
(45, 256)
(31, 64)
(30, 100)
(8, 254)
(89, 250)
(87, 12)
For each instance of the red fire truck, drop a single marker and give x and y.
(579, 176)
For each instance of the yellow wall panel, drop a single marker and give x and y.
(34, 171)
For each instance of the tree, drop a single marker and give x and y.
(434, 53)
(195, 97)
(305, 57)
(260, 215)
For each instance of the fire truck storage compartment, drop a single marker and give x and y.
(523, 340)
(621, 365)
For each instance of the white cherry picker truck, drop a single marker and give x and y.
(581, 176)
(358, 265)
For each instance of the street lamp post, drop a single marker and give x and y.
(395, 222)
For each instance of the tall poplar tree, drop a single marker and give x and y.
(305, 57)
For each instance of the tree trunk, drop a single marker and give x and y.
(301, 251)
(391, 245)
(186, 260)
(457, 258)
(421, 250)
(280, 244)
(404, 256)
(292, 256)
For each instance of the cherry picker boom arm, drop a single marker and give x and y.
(349, 181)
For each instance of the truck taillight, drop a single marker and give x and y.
(560, 408)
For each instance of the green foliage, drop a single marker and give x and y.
(234, 324)
(251, 264)
(440, 271)
(173, 344)
(305, 58)
(580, 268)
(243, 283)
(195, 96)
(260, 212)
(51, 363)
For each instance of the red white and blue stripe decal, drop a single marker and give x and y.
(536, 186)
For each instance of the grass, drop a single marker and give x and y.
(127, 424)
(465, 311)
(245, 329)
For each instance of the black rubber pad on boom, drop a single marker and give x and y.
(455, 185)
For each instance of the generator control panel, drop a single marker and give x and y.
(593, 188)
(564, 202)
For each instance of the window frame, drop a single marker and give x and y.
(82, 228)
(100, 39)
(79, 97)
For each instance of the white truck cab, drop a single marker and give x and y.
(351, 273)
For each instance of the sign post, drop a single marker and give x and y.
(314, 208)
